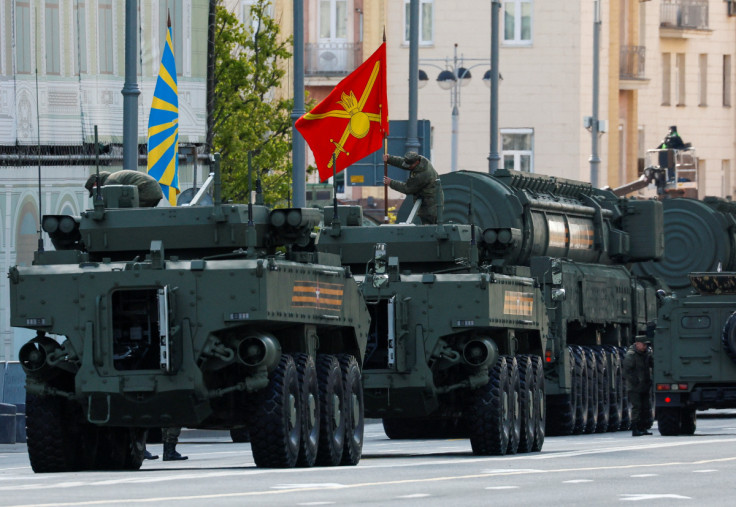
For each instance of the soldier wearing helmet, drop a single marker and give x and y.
(421, 183)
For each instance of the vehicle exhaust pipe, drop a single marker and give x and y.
(480, 353)
(33, 357)
(259, 350)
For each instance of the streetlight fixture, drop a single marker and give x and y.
(453, 76)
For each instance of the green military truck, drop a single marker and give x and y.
(213, 317)
(695, 352)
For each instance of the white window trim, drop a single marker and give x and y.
(517, 41)
(518, 153)
(405, 41)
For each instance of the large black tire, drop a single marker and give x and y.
(562, 410)
(488, 417)
(51, 446)
(332, 412)
(592, 370)
(240, 435)
(399, 428)
(728, 338)
(668, 421)
(354, 410)
(615, 387)
(118, 448)
(580, 378)
(527, 387)
(687, 421)
(276, 423)
(309, 445)
(540, 404)
(514, 405)
(604, 401)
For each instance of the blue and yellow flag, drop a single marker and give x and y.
(163, 125)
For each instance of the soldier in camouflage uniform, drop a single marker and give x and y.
(638, 375)
(171, 438)
(149, 191)
(421, 183)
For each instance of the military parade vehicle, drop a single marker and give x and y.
(200, 316)
(511, 313)
(695, 352)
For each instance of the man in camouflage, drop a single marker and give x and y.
(638, 375)
(171, 438)
(421, 183)
(149, 191)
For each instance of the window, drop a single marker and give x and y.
(517, 22)
(333, 20)
(703, 82)
(249, 21)
(104, 27)
(666, 79)
(517, 148)
(426, 22)
(174, 8)
(727, 80)
(680, 79)
(80, 25)
(23, 54)
(53, 41)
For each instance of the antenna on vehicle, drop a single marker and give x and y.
(473, 243)
(250, 231)
(38, 130)
(335, 231)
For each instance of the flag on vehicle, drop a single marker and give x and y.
(163, 125)
(352, 121)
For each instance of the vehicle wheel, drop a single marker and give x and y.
(398, 429)
(540, 403)
(310, 410)
(526, 403)
(603, 390)
(276, 423)
(562, 411)
(488, 414)
(135, 449)
(580, 377)
(240, 435)
(354, 418)
(119, 449)
(615, 387)
(51, 447)
(668, 421)
(592, 371)
(728, 338)
(625, 405)
(514, 405)
(332, 420)
(155, 436)
(687, 421)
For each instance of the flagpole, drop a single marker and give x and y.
(385, 173)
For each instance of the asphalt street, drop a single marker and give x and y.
(598, 469)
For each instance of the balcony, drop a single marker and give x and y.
(683, 18)
(631, 63)
(330, 59)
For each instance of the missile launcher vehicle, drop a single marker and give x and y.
(507, 319)
(214, 317)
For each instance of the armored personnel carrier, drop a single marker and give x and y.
(695, 352)
(508, 315)
(197, 316)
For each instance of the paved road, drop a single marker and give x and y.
(601, 469)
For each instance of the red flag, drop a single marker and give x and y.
(352, 120)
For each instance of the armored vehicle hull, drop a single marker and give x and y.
(222, 321)
(695, 353)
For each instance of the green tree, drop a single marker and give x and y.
(248, 115)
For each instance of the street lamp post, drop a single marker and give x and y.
(453, 76)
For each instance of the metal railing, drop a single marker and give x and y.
(331, 58)
(631, 63)
(684, 14)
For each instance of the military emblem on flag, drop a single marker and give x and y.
(163, 125)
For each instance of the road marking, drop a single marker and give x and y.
(324, 485)
(317, 503)
(645, 475)
(704, 471)
(640, 497)
(577, 481)
(415, 495)
(502, 487)
(270, 492)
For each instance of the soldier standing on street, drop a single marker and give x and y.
(421, 183)
(171, 438)
(637, 371)
(149, 190)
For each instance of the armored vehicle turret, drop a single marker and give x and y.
(198, 316)
(695, 352)
(507, 315)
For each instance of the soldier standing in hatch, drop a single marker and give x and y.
(149, 191)
(421, 183)
(638, 375)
